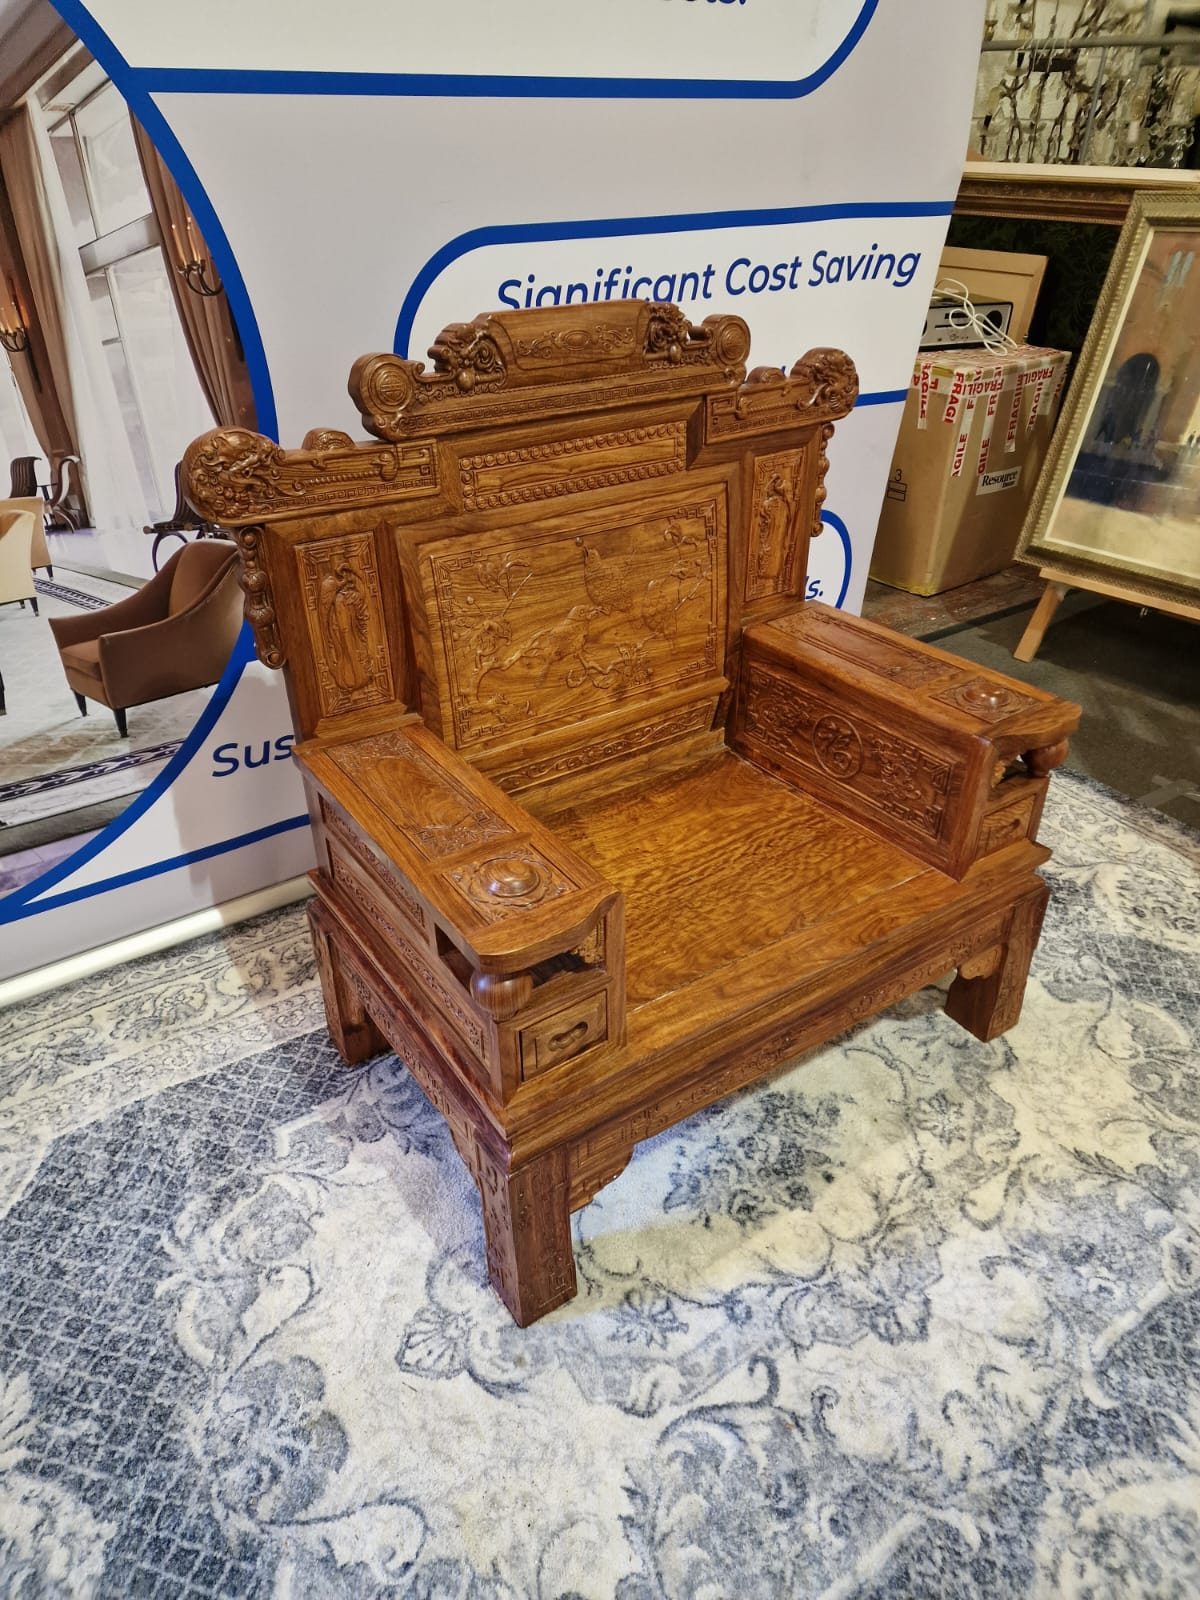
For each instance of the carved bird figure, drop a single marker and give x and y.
(607, 582)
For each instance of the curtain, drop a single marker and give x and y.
(44, 229)
(207, 322)
(27, 269)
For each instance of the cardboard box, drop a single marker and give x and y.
(972, 440)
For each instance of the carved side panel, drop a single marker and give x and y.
(398, 891)
(580, 617)
(568, 466)
(776, 525)
(344, 611)
(418, 797)
(896, 777)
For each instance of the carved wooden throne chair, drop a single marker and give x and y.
(609, 821)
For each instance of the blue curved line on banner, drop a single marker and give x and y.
(616, 227)
(232, 80)
(21, 903)
(839, 527)
(132, 85)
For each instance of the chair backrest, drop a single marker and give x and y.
(195, 572)
(555, 545)
(16, 543)
(23, 476)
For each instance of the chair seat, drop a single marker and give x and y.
(712, 872)
(83, 658)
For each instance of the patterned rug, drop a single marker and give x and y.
(920, 1317)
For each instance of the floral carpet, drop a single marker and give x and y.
(920, 1317)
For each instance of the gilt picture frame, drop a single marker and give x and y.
(1117, 499)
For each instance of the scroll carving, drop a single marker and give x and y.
(232, 475)
(671, 725)
(821, 387)
(502, 353)
(774, 525)
(344, 611)
(260, 603)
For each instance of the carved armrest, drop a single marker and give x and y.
(932, 752)
(508, 943)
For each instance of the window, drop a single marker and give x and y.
(162, 404)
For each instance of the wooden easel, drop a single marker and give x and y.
(1057, 584)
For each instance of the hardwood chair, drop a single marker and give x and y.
(173, 634)
(609, 821)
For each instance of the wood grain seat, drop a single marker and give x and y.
(609, 820)
(699, 898)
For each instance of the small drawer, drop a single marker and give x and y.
(1007, 823)
(567, 1033)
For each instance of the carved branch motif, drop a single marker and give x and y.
(774, 534)
(231, 475)
(500, 354)
(821, 387)
(625, 609)
(260, 603)
(344, 610)
(570, 466)
(898, 778)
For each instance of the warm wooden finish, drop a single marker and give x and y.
(610, 822)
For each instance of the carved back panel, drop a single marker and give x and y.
(551, 550)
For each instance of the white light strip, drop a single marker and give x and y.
(150, 940)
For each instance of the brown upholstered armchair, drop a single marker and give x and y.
(174, 634)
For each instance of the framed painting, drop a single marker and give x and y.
(1118, 500)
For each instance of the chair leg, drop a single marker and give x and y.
(122, 726)
(985, 997)
(81, 702)
(33, 603)
(527, 1224)
(49, 570)
(351, 1029)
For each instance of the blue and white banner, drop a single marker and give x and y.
(365, 175)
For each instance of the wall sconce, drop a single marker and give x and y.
(196, 270)
(14, 333)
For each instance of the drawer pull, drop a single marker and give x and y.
(568, 1037)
